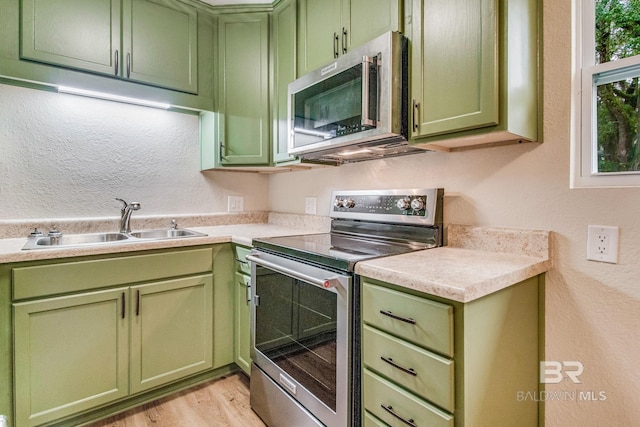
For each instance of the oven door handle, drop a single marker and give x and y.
(327, 283)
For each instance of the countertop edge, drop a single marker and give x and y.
(434, 271)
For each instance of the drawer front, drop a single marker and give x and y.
(242, 265)
(36, 281)
(392, 405)
(430, 376)
(371, 421)
(418, 320)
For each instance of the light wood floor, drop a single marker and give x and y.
(220, 403)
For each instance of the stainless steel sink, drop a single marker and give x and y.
(74, 240)
(167, 233)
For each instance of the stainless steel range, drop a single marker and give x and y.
(305, 323)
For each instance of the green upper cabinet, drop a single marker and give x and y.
(83, 34)
(329, 28)
(160, 44)
(474, 72)
(319, 33)
(283, 45)
(455, 65)
(371, 18)
(242, 123)
(155, 42)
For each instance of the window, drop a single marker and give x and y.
(606, 151)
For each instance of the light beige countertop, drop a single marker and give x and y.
(242, 234)
(477, 262)
(238, 228)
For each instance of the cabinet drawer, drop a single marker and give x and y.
(430, 376)
(242, 265)
(371, 421)
(36, 281)
(392, 404)
(418, 320)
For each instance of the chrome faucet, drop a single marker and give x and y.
(125, 215)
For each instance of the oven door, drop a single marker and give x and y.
(301, 334)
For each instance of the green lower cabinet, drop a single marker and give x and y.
(242, 312)
(124, 328)
(431, 361)
(171, 331)
(71, 354)
(242, 319)
(396, 407)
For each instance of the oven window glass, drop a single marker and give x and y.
(295, 328)
(333, 107)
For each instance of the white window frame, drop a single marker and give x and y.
(583, 151)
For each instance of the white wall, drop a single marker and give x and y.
(592, 309)
(64, 156)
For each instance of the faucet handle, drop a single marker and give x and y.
(174, 224)
(124, 204)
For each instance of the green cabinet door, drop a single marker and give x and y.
(171, 330)
(242, 124)
(83, 34)
(454, 82)
(329, 28)
(160, 43)
(147, 41)
(283, 42)
(319, 33)
(242, 323)
(71, 354)
(371, 18)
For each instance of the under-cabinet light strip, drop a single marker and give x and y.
(111, 97)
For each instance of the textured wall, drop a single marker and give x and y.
(66, 156)
(592, 309)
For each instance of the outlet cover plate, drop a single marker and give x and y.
(311, 205)
(235, 204)
(602, 243)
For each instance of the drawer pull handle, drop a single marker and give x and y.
(390, 410)
(395, 316)
(390, 361)
(242, 262)
(138, 303)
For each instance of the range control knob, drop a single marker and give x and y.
(417, 204)
(403, 204)
(348, 203)
(338, 203)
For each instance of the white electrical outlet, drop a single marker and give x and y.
(602, 243)
(235, 203)
(311, 205)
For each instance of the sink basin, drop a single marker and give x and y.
(70, 240)
(74, 240)
(167, 233)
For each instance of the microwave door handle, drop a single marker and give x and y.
(321, 283)
(366, 81)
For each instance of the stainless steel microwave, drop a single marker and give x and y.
(355, 108)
